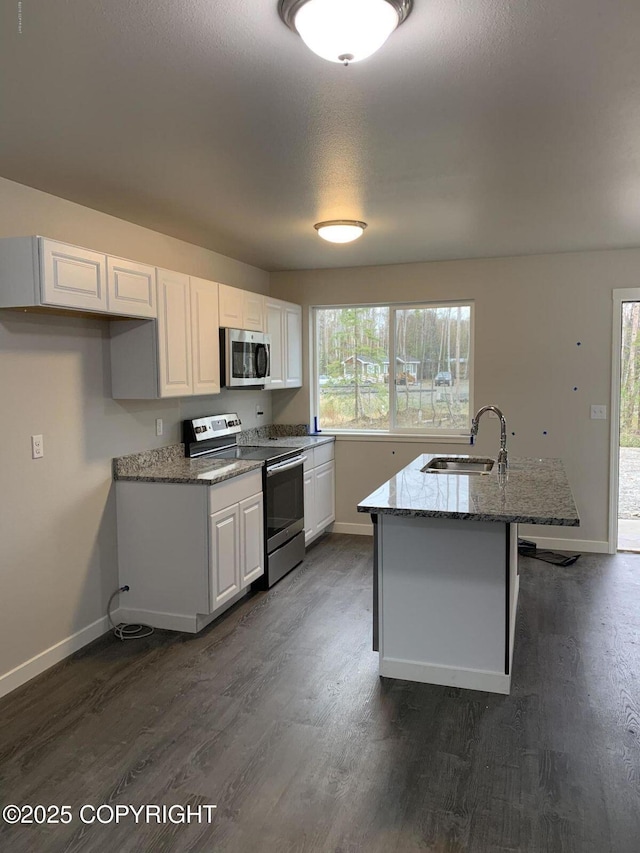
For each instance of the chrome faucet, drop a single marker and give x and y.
(503, 459)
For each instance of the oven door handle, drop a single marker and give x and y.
(285, 466)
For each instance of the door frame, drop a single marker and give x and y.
(620, 295)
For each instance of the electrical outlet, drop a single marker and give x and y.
(37, 447)
(598, 413)
(259, 411)
(159, 426)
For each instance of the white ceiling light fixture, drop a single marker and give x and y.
(340, 230)
(344, 30)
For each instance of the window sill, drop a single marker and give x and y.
(398, 437)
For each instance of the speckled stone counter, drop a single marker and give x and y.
(536, 491)
(169, 465)
(282, 435)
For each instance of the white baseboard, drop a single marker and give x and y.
(357, 529)
(447, 676)
(186, 622)
(591, 546)
(163, 621)
(29, 669)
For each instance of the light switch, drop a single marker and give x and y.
(598, 413)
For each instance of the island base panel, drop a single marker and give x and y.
(447, 600)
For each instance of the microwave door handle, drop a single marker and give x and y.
(262, 369)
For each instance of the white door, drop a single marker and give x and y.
(325, 490)
(275, 330)
(293, 348)
(174, 334)
(224, 556)
(251, 540)
(73, 277)
(309, 505)
(205, 339)
(131, 288)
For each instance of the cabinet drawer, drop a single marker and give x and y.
(310, 460)
(324, 453)
(235, 490)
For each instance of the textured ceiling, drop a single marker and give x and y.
(482, 128)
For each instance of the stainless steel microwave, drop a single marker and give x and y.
(245, 358)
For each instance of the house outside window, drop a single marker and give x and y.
(429, 389)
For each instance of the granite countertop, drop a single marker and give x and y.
(536, 491)
(169, 465)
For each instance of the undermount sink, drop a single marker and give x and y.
(451, 465)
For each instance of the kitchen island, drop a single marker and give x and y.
(446, 567)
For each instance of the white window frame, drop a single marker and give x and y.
(394, 432)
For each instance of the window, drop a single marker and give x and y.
(397, 369)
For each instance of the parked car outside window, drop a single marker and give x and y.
(443, 378)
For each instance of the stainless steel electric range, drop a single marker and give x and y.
(282, 486)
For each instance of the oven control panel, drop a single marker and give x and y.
(214, 426)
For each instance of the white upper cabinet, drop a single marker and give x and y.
(204, 337)
(253, 312)
(293, 348)
(35, 271)
(284, 326)
(179, 356)
(174, 335)
(241, 309)
(73, 277)
(275, 329)
(131, 288)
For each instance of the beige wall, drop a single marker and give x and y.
(530, 315)
(57, 515)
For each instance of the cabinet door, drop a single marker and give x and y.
(293, 348)
(253, 312)
(309, 506)
(73, 277)
(224, 556)
(231, 306)
(205, 341)
(131, 288)
(174, 334)
(275, 329)
(251, 540)
(325, 491)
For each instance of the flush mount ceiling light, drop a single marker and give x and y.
(340, 230)
(344, 30)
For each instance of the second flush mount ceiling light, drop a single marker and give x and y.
(340, 230)
(344, 30)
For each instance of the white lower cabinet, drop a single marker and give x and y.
(187, 552)
(224, 556)
(251, 540)
(319, 490)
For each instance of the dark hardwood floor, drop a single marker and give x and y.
(276, 714)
